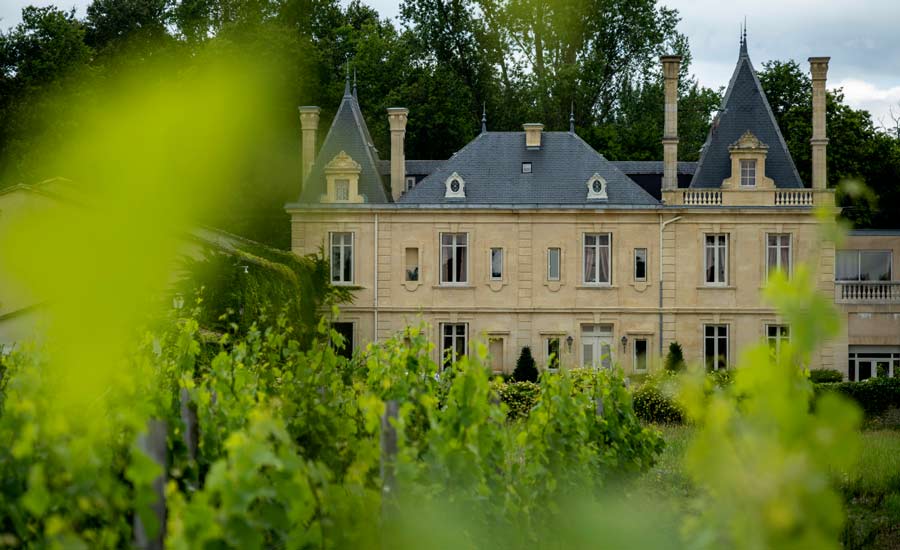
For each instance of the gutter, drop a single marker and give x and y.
(662, 227)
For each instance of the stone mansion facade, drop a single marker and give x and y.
(533, 238)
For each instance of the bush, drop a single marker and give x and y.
(654, 401)
(675, 358)
(526, 371)
(819, 376)
(520, 397)
(874, 396)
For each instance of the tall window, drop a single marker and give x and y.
(496, 264)
(454, 248)
(596, 258)
(748, 172)
(640, 264)
(778, 253)
(553, 352)
(342, 190)
(640, 354)
(412, 264)
(410, 182)
(777, 336)
(716, 261)
(715, 346)
(553, 264)
(454, 338)
(342, 258)
(863, 265)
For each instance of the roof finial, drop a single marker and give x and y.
(744, 37)
(347, 76)
(572, 117)
(484, 117)
(354, 83)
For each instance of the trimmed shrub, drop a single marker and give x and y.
(520, 397)
(654, 401)
(526, 371)
(675, 358)
(874, 396)
(820, 376)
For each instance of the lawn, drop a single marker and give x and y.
(871, 491)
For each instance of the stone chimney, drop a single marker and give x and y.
(533, 135)
(671, 65)
(309, 125)
(397, 119)
(818, 66)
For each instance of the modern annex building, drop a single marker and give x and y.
(533, 238)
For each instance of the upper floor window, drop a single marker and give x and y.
(553, 255)
(412, 264)
(716, 259)
(640, 264)
(596, 258)
(341, 257)
(778, 253)
(863, 265)
(454, 252)
(342, 190)
(748, 172)
(496, 264)
(715, 346)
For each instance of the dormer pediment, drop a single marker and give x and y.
(342, 163)
(748, 142)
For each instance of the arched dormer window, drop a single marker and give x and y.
(456, 187)
(596, 188)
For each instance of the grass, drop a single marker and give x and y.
(871, 491)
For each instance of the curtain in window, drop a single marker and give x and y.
(604, 265)
(710, 259)
(720, 268)
(874, 266)
(590, 264)
(847, 266)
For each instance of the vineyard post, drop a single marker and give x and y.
(153, 443)
(189, 417)
(388, 448)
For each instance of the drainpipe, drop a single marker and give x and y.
(662, 227)
(375, 303)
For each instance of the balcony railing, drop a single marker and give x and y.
(702, 197)
(794, 197)
(783, 198)
(868, 292)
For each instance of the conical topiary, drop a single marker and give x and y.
(675, 358)
(526, 371)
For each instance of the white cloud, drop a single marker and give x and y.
(877, 100)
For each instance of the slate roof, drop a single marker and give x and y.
(413, 167)
(348, 133)
(651, 167)
(491, 166)
(744, 107)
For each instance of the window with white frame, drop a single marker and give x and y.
(640, 264)
(640, 352)
(454, 255)
(496, 264)
(342, 190)
(410, 182)
(863, 265)
(715, 346)
(341, 257)
(454, 342)
(716, 259)
(552, 352)
(748, 172)
(526, 167)
(778, 253)
(412, 264)
(777, 336)
(553, 256)
(596, 258)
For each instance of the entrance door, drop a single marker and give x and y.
(596, 346)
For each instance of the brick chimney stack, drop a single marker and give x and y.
(671, 65)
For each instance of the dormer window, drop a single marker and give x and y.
(526, 167)
(342, 180)
(748, 172)
(341, 190)
(596, 187)
(455, 187)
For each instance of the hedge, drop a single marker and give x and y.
(819, 376)
(874, 396)
(520, 397)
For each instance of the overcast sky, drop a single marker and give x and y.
(861, 38)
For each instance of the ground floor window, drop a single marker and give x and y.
(640, 355)
(777, 337)
(551, 348)
(454, 341)
(346, 332)
(715, 346)
(495, 349)
(873, 362)
(596, 346)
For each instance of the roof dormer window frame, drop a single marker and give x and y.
(343, 170)
(455, 187)
(527, 167)
(596, 188)
(748, 164)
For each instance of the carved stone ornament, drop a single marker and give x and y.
(596, 187)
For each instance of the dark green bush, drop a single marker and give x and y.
(526, 371)
(654, 401)
(520, 397)
(819, 376)
(874, 396)
(675, 358)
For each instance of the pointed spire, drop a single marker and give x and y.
(347, 78)
(744, 37)
(484, 117)
(354, 83)
(572, 118)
